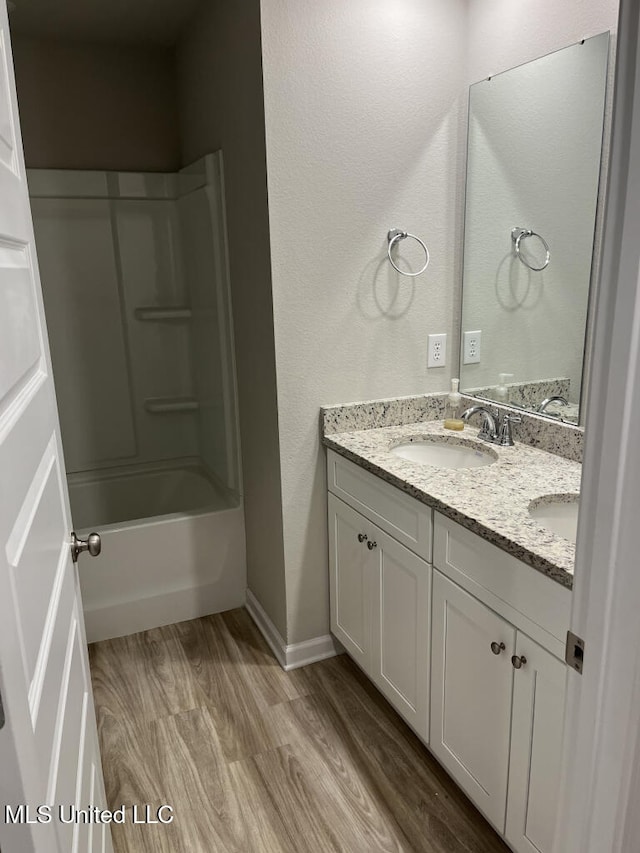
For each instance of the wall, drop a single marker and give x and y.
(90, 106)
(364, 108)
(220, 85)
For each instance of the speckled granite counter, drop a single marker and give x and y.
(492, 501)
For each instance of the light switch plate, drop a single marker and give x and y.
(471, 342)
(437, 350)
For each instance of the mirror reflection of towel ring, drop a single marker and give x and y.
(394, 236)
(519, 234)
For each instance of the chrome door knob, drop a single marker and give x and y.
(362, 537)
(92, 544)
(518, 662)
(496, 648)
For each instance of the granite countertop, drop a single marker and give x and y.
(492, 501)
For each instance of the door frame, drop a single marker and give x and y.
(601, 756)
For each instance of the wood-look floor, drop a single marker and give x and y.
(200, 716)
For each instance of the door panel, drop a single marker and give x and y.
(471, 695)
(536, 748)
(350, 581)
(34, 538)
(43, 659)
(400, 629)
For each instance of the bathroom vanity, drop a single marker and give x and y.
(454, 599)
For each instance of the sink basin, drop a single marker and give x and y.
(444, 453)
(558, 513)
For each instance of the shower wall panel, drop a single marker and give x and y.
(88, 345)
(124, 383)
(204, 247)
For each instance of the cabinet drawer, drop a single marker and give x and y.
(536, 604)
(403, 517)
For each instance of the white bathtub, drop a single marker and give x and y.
(173, 548)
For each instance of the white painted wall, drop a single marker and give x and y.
(365, 111)
(97, 106)
(221, 106)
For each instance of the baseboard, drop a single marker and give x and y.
(294, 655)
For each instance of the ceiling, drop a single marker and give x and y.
(119, 21)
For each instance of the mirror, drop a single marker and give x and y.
(533, 172)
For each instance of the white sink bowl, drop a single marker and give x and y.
(444, 453)
(557, 514)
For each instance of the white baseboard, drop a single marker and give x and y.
(294, 655)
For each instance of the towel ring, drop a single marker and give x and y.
(517, 235)
(395, 235)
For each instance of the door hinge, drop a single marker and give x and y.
(574, 653)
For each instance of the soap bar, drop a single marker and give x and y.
(454, 423)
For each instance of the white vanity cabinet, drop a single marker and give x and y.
(380, 590)
(471, 695)
(465, 641)
(497, 695)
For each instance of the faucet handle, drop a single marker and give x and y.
(505, 439)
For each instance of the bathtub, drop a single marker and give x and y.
(173, 547)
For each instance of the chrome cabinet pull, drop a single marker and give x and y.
(92, 544)
(496, 648)
(372, 545)
(362, 537)
(518, 662)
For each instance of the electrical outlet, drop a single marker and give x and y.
(471, 347)
(437, 350)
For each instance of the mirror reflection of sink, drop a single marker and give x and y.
(444, 453)
(558, 513)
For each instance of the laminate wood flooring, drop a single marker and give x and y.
(200, 716)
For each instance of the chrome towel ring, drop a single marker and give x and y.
(519, 234)
(394, 236)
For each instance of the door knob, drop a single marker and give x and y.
(362, 537)
(518, 662)
(372, 545)
(496, 648)
(92, 544)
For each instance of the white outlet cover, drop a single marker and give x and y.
(437, 350)
(471, 344)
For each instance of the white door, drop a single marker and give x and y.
(400, 623)
(471, 685)
(539, 688)
(48, 744)
(350, 580)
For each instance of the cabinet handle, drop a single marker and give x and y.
(362, 537)
(372, 545)
(496, 648)
(518, 662)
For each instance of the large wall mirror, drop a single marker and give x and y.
(533, 173)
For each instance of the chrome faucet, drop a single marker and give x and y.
(488, 430)
(555, 399)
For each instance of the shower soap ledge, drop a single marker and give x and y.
(175, 312)
(170, 405)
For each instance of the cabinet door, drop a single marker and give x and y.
(471, 695)
(350, 581)
(536, 748)
(400, 616)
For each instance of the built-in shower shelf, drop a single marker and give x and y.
(154, 314)
(170, 405)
